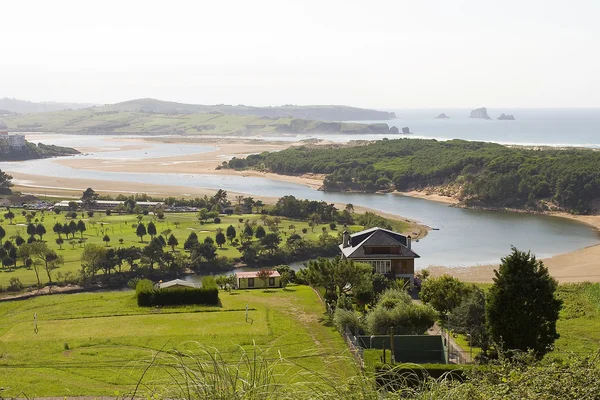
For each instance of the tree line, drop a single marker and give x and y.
(486, 174)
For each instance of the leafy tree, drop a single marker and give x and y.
(30, 229)
(260, 232)
(203, 214)
(5, 182)
(304, 231)
(191, 241)
(141, 231)
(81, 227)
(151, 230)
(40, 230)
(66, 230)
(207, 251)
(231, 233)
(2, 234)
(444, 293)
(10, 216)
(57, 228)
(52, 261)
(522, 305)
(153, 252)
(89, 198)
(220, 239)
(19, 241)
(59, 242)
(73, 227)
(469, 319)
(40, 255)
(248, 231)
(172, 241)
(336, 275)
(332, 226)
(271, 242)
(394, 313)
(106, 240)
(93, 259)
(264, 275)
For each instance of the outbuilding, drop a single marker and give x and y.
(250, 280)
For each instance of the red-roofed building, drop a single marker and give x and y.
(250, 280)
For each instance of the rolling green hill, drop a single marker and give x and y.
(314, 112)
(107, 119)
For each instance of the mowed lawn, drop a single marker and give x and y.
(97, 344)
(124, 227)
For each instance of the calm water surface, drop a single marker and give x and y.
(465, 237)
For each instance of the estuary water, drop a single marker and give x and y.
(461, 237)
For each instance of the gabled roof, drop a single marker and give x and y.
(175, 282)
(359, 237)
(377, 237)
(254, 274)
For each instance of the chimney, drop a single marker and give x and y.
(408, 238)
(346, 240)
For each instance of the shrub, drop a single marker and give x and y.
(14, 285)
(395, 310)
(148, 296)
(217, 220)
(343, 318)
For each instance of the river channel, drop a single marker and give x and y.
(461, 237)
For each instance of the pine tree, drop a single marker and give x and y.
(522, 307)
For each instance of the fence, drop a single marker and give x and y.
(354, 346)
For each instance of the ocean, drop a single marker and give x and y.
(532, 126)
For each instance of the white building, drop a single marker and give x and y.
(12, 139)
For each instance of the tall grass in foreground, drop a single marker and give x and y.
(256, 374)
(205, 373)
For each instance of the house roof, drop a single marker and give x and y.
(377, 237)
(254, 274)
(175, 282)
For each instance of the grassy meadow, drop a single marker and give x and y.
(124, 227)
(578, 323)
(98, 344)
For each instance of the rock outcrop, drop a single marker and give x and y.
(480, 113)
(506, 117)
(405, 130)
(442, 116)
(394, 130)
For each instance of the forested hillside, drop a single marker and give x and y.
(481, 174)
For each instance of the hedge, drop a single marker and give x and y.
(148, 296)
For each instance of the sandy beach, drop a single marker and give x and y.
(203, 163)
(577, 266)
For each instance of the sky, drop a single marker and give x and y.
(368, 53)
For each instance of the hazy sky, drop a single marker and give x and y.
(369, 53)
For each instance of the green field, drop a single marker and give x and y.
(578, 323)
(124, 227)
(99, 343)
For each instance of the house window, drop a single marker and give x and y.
(382, 266)
(271, 281)
(250, 282)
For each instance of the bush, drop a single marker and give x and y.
(395, 310)
(217, 220)
(148, 296)
(343, 318)
(14, 285)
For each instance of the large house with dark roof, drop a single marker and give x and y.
(388, 252)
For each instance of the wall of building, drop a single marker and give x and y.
(403, 266)
(258, 283)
